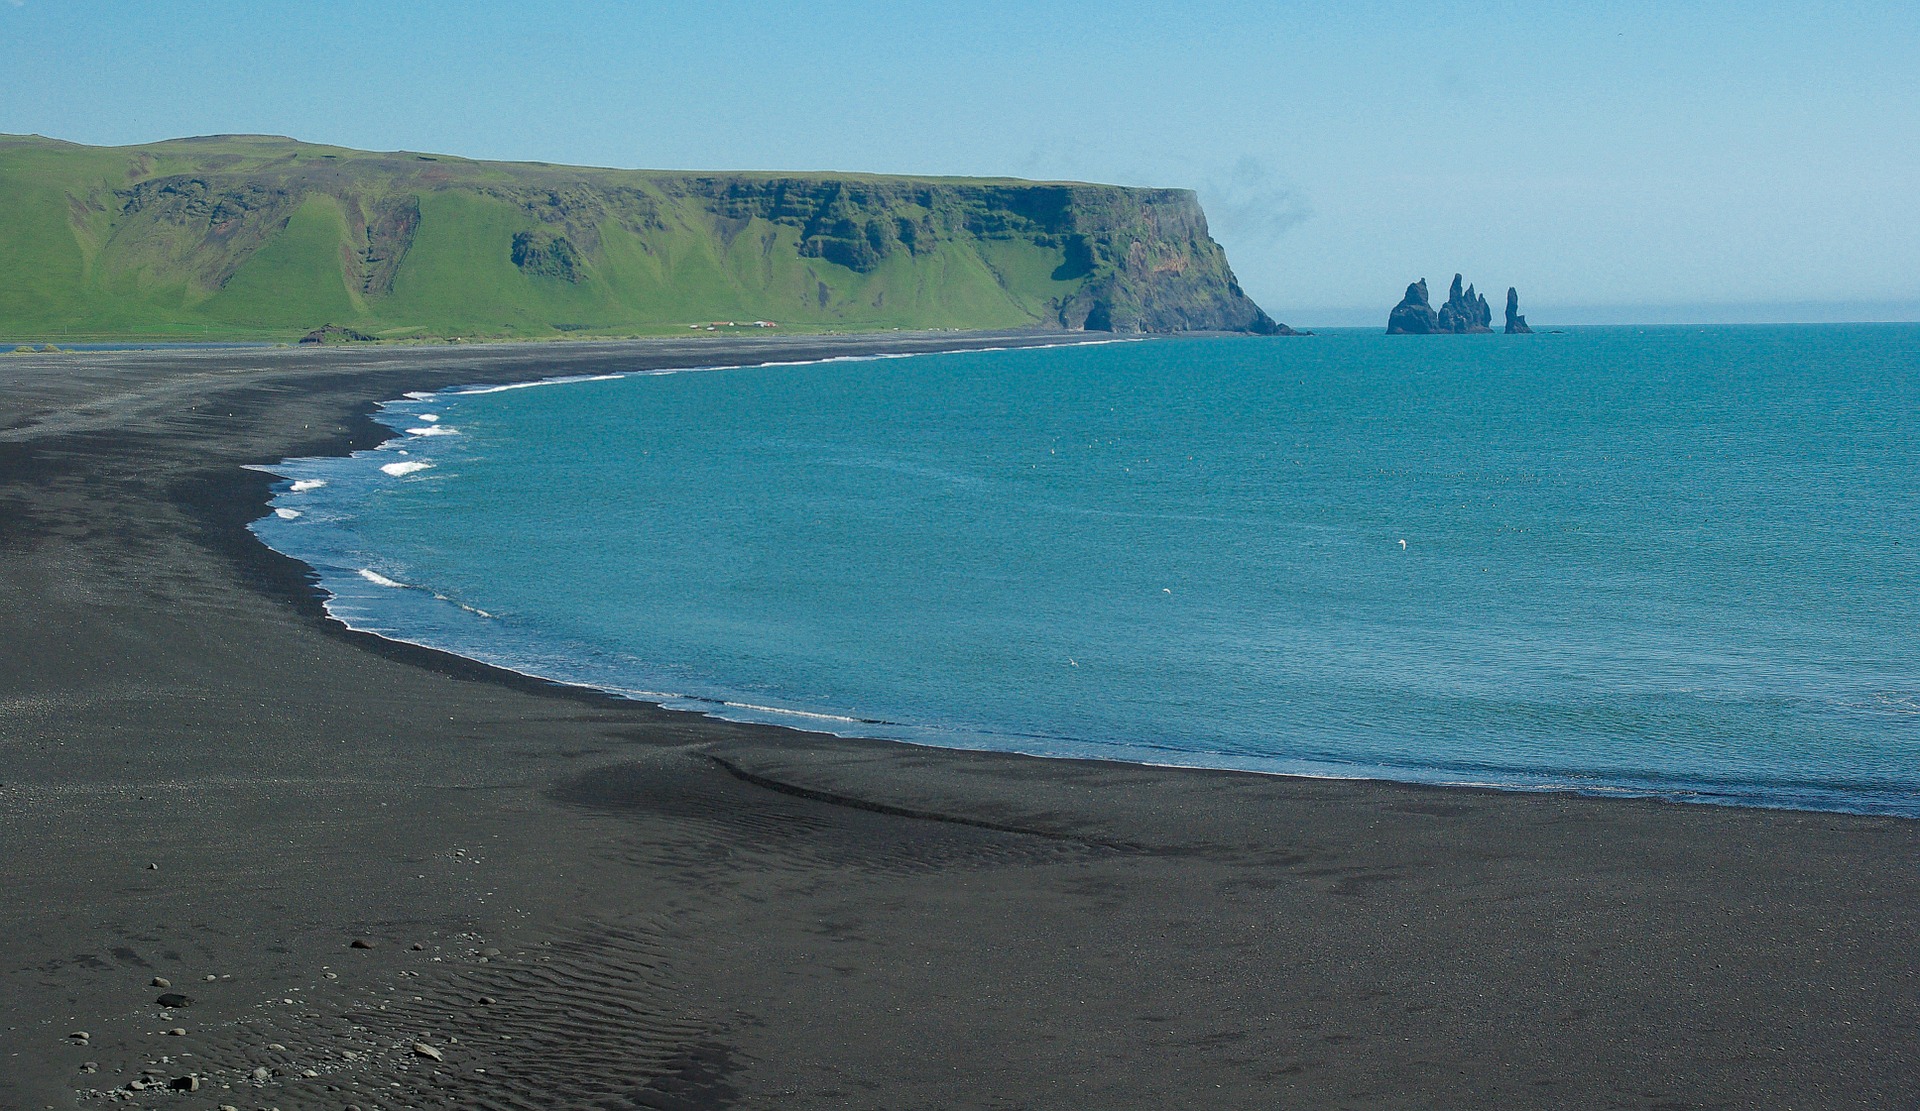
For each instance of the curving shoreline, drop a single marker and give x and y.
(670, 908)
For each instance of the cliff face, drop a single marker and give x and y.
(243, 234)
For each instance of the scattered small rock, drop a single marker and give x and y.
(418, 947)
(486, 1001)
(136, 1085)
(422, 1049)
(80, 1035)
(228, 1107)
(489, 952)
(178, 1032)
(308, 1073)
(330, 975)
(211, 979)
(350, 1054)
(162, 982)
(174, 999)
(153, 867)
(184, 1084)
(262, 1074)
(90, 1066)
(360, 943)
(276, 1047)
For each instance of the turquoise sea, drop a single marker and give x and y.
(1676, 561)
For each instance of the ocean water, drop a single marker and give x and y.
(1674, 561)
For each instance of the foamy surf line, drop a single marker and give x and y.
(571, 379)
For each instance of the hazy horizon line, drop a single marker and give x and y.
(1550, 314)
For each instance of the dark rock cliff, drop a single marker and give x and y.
(1142, 258)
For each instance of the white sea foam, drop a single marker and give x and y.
(785, 712)
(377, 579)
(542, 382)
(475, 391)
(409, 467)
(306, 484)
(285, 514)
(476, 610)
(430, 417)
(433, 430)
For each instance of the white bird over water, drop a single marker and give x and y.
(1403, 545)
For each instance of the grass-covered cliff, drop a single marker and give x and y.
(259, 236)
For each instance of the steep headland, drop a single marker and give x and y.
(262, 236)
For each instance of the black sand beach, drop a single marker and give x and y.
(573, 901)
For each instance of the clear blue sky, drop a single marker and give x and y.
(1624, 161)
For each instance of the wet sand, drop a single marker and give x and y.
(581, 902)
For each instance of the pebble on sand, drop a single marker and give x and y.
(80, 1035)
(174, 999)
(262, 1074)
(422, 1049)
(162, 982)
(178, 1032)
(360, 943)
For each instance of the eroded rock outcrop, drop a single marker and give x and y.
(1465, 311)
(1414, 315)
(1516, 324)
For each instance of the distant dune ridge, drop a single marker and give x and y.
(244, 236)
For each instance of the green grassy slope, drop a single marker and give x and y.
(266, 237)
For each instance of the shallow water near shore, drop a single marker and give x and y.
(1671, 561)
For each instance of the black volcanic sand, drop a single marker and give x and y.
(581, 902)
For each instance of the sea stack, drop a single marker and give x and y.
(1413, 316)
(1465, 311)
(1516, 324)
